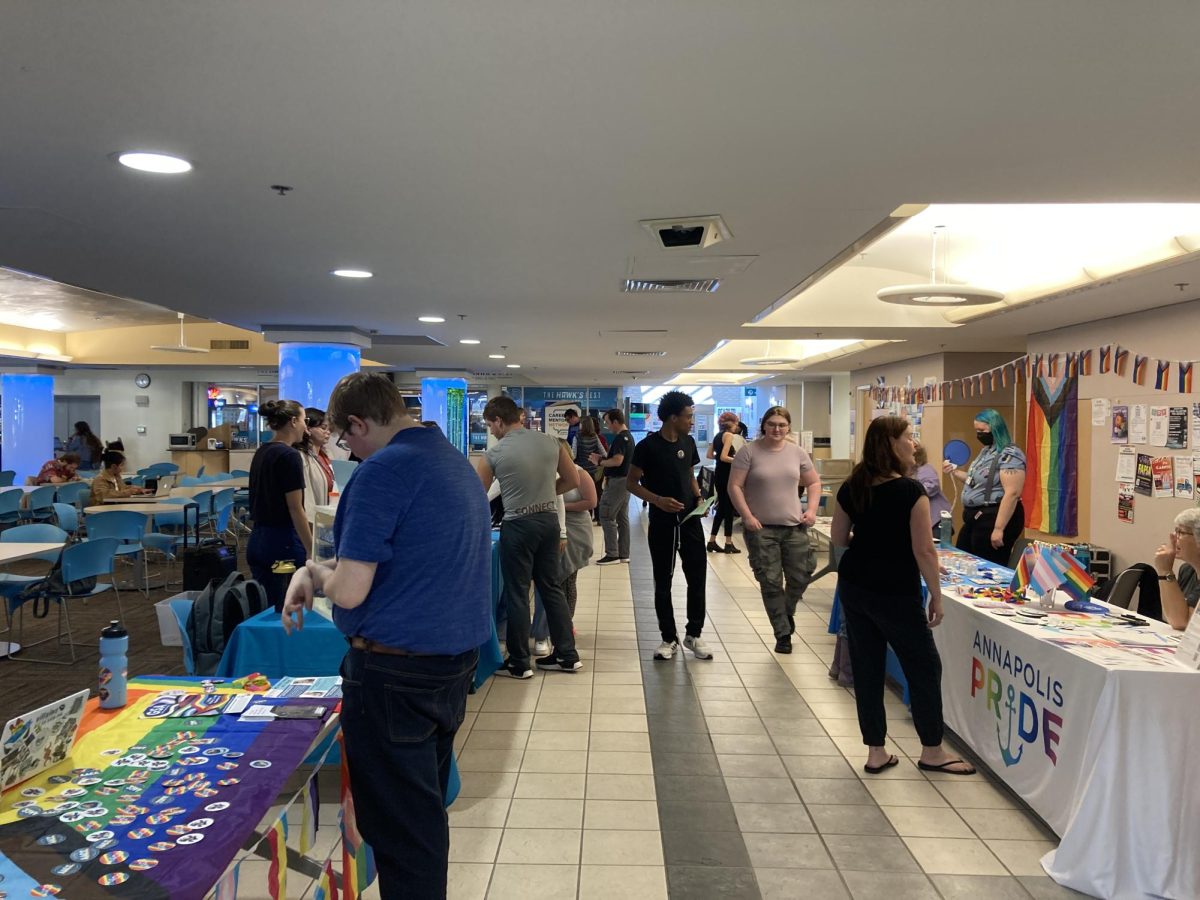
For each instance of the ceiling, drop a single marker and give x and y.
(494, 160)
(32, 302)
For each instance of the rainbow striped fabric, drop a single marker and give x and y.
(1050, 497)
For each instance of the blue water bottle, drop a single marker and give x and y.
(945, 527)
(114, 665)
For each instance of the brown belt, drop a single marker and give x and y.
(362, 643)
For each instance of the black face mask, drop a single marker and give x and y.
(984, 437)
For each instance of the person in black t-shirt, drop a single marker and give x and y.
(281, 529)
(614, 502)
(879, 582)
(663, 474)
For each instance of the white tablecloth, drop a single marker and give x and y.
(1096, 741)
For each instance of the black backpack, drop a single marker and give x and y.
(219, 609)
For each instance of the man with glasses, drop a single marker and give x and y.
(1180, 594)
(411, 590)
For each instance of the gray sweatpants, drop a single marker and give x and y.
(614, 518)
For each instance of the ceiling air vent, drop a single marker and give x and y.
(688, 232)
(641, 353)
(670, 285)
(219, 344)
(629, 374)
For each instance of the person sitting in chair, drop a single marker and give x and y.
(1180, 593)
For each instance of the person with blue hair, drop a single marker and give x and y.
(993, 517)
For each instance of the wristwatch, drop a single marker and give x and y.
(1170, 576)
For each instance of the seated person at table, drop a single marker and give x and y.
(59, 471)
(1180, 594)
(109, 482)
(411, 590)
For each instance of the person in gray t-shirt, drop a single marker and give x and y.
(533, 469)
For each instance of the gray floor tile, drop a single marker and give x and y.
(794, 726)
(692, 787)
(774, 818)
(679, 742)
(844, 791)
(678, 724)
(979, 887)
(849, 819)
(819, 767)
(889, 886)
(746, 765)
(791, 851)
(692, 815)
(788, 884)
(695, 883)
(870, 853)
(761, 790)
(1042, 887)
(743, 743)
(685, 764)
(803, 745)
(705, 848)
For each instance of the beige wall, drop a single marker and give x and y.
(1169, 333)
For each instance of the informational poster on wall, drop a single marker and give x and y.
(1125, 503)
(1185, 476)
(1120, 424)
(1196, 426)
(1100, 412)
(1138, 423)
(1163, 474)
(1143, 481)
(1177, 428)
(1126, 465)
(1159, 421)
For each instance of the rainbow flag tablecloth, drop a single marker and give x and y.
(147, 807)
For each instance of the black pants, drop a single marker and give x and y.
(873, 621)
(399, 717)
(665, 536)
(529, 552)
(268, 544)
(725, 510)
(976, 534)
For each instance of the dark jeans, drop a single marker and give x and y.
(872, 622)
(267, 544)
(665, 537)
(399, 717)
(781, 557)
(976, 534)
(529, 552)
(725, 510)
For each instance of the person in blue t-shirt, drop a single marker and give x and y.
(411, 590)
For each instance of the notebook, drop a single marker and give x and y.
(40, 739)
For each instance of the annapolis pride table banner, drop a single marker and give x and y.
(147, 807)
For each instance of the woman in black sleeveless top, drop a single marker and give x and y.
(879, 582)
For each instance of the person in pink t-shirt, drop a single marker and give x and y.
(764, 485)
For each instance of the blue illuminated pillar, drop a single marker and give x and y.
(444, 400)
(308, 372)
(28, 423)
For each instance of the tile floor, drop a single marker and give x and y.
(739, 777)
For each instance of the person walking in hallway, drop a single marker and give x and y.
(614, 501)
(879, 580)
(725, 445)
(764, 486)
(663, 473)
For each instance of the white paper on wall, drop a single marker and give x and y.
(1185, 478)
(1138, 423)
(1126, 465)
(1159, 425)
(1100, 408)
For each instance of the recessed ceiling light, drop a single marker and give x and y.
(432, 320)
(158, 163)
(468, 341)
(514, 365)
(352, 273)
(496, 356)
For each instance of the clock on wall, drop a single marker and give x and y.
(142, 380)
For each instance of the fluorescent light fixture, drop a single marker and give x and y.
(431, 320)
(156, 163)
(352, 273)
(468, 340)
(514, 365)
(496, 356)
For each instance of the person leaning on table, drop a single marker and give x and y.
(411, 591)
(1180, 593)
(879, 581)
(109, 482)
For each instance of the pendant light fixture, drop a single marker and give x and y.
(938, 294)
(182, 346)
(769, 361)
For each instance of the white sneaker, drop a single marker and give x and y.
(541, 648)
(666, 650)
(698, 647)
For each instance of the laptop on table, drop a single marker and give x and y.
(163, 489)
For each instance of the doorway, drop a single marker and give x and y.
(69, 409)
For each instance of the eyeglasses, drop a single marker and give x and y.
(778, 425)
(340, 443)
(1180, 532)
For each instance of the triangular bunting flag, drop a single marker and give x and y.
(1140, 364)
(1163, 375)
(1105, 359)
(1185, 378)
(1085, 362)
(1121, 361)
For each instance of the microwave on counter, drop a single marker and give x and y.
(181, 441)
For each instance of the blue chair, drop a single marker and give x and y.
(342, 470)
(169, 526)
(10, 506)
(239, 473)
(40, 506)
(128, 528)
(90, 559)
(67, 517)
(190, 481)
(7, 477)
(44, 533)
(76, 493)
(182, 608)
(219, 476)
(160, 468)
(200, 472)
(222, 507)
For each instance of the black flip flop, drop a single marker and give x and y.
(970, 770)
(875, 770)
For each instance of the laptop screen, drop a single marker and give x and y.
(40, 739)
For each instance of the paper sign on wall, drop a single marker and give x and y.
(1196, 426)
(1138, 419)
(1177, 428)
(1126, 465)
(1185, 477)
(1100, 409)
(1125, 503)
(1120, 424)
(1159, 426)
(1163, 474)
(1143, 480)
